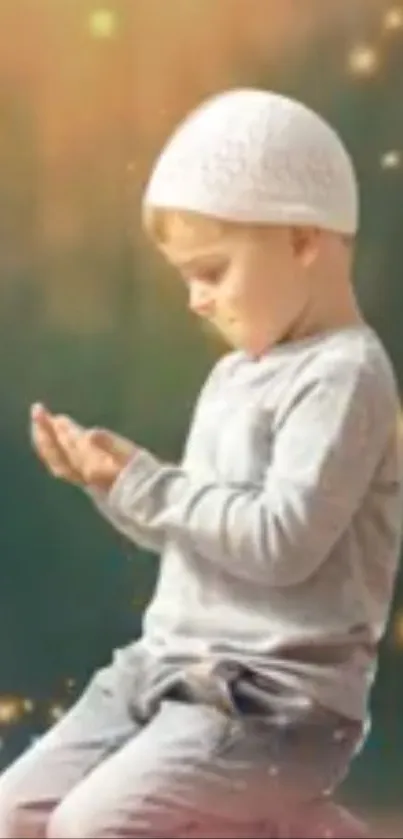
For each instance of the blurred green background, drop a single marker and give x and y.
(94, 324)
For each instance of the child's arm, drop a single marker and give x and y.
(144, 536)
(149, 535)
(93, 458)
(279, 531)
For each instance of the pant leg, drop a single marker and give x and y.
(195, 772)
(34, 785)
(324, 820)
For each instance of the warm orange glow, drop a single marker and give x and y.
(393, 19)
(103, 23)
(91, 120)
(363, 61)
(397, 630)
(10, 710)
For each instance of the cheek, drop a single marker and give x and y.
(249, 297)
(239, 298)
(255, 303)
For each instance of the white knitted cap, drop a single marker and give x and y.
(255, 156)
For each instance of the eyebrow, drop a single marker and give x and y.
(203, 259)
(198, 257)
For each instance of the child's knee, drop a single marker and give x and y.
(68, 821)
(81, 817)
(61, 824)
(329, 820)
(10, 818)
(21, 815)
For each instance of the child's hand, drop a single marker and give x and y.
(90, 457)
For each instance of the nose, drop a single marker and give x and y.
(200, 298)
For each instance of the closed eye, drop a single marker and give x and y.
(210, 276)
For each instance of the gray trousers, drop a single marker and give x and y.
(155, 753)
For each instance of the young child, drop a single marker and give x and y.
(241, 707)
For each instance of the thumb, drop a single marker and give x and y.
(103, 439)
(110, 443)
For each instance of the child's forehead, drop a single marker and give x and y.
(189, 239)
(184, 256)
(189, 231)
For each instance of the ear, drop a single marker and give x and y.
(305, 244)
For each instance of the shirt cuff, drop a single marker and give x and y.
(141, 469)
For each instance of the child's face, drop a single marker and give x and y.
(247, 283)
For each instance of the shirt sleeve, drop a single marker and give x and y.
(144, 533)
(325, 453)
(150, 538)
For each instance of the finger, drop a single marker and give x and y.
(37, 410)
(99, 464)
(71, 439)
(47, 446)
(96, 454)
(83, 444)
(42, 434)
(51, 455)
(39, 413)
(43, 419)
(100, 472)
(94, 465)
(103, 439)
(111, 443)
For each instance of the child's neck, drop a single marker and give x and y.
(336, 309)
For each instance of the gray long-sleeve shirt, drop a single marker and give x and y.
(280, 530)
